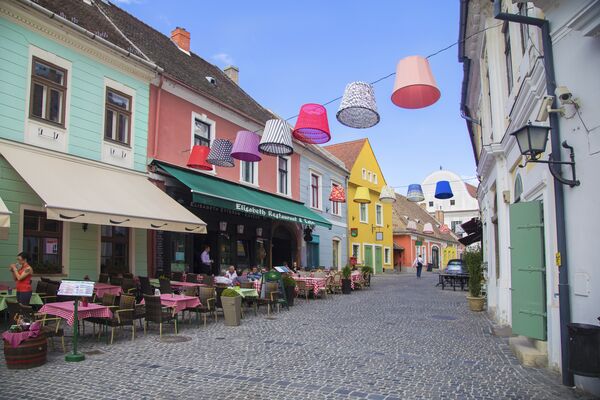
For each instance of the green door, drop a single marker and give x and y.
(368, 256)
(378, 259)
(528, 271)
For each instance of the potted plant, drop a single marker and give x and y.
(366, 273)
(473, 260)
(289, 284)
(232, 307)
(346, 283)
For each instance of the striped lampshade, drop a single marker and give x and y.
(245, 147)
(337, 194)
(388, 195)
(312, 125)
(415, 193)
(358, 108)
(220, 153)
(276, 139)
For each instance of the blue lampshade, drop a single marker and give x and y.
(415, 193)
(443, 190)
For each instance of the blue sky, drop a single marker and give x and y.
(295, 52)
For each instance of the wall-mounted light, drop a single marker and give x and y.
(240, 229)
(223, 226)
(532, 141)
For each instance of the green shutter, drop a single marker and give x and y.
(378, 260)
(528, 269)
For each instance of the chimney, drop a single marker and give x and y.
(439, 215)
(233, 73)
(181, 38)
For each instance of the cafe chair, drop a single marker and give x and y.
(158, 314)
(124, 315)
(165, 286)
(208, 300)
(177, 276)
(103, 278)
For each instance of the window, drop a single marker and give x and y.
(356, 251)
(335, 262)
(48, 92)
(456, 228)
(117, 127)
(452, 202)
(283, 175)
(386, 255)
(523, 10)
(248, 173)
(114, 256)
(508, 56)
(431, 204)
(364, 174)
(363, 213)
(315, 191)
(374, 178)
(518, 188)
(202, 135)
(336, 207)
(369, 176)
(378, 215)
(42, 239)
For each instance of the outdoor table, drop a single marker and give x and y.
(185, 285)
(453, 280)
(256, 285)
(316, 283)
(64, 309)
(5, 298)
(245, 292)
(100, 289)
(178, 301)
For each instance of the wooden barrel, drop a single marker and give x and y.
(29, 354)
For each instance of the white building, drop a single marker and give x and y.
(536, 230)
(460, 208)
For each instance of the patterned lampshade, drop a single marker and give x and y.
(444, 229)
(443, 190)
(415, 86)
(387, 195)
(220, 153)
(197, 158)
(245, 147)
(428, 228)
(337, 194)
(276, 139)
(412, 225)
(362, 195)
(312, 125)
(358, 108)
(415, 193)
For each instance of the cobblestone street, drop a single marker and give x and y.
(402, 339)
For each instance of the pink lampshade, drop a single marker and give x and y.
(312, 125)
(197, 158)
(245, 147)
(415, 86)
(337, 194)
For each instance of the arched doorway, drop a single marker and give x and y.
(435, 256)
(284, 246)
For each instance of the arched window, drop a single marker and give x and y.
(518, 188)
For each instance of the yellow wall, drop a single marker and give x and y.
(366, 234)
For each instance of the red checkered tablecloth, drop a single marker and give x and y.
(64, 309)
(180, 302)
(256, 285)
(316, 283)
(356, 276)
(102, 288)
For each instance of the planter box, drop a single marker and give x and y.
(29, 354)
(290, 293)
(346, 286)
(476, 303)
(232, 310)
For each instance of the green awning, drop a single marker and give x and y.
(223, 194)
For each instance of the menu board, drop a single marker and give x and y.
(282, 269)
(76, 288)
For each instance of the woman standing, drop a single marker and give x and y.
(22, 276)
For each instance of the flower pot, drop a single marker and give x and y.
(290, 293)
(346, 286)
(232, 310)
(476, 303)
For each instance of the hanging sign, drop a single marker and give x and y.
(418, 243)
(76, 288)
(379, 236)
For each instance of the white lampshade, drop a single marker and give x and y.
(388, 195)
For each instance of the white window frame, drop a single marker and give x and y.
(375, 178)
(364, 174)
(358, 252)
(114, 152)
(289, 175)
(339, 255)
(312, 172)
(386, 256)
(369, 176)
(255, 171)
(379, 206)
(213, 132)
(366, 220)
(331, 203)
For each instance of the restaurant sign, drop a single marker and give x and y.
(263, 212)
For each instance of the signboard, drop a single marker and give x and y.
(418, 243)
(282, 269)
(379, 236)
(76, 288)
(354, 232)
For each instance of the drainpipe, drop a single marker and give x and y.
(157, 116)
(563, 271)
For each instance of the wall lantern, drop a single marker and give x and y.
(532, 140)
(223, 226)
(240, 229)
(197, 158)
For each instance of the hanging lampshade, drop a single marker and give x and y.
(387, 196)
(220, 153)
(276, 139)
(337, 194)
(444, 229)
(362, 195)
(197, 158)
(358, 108)
(415, 193)
(245, 147)
(443, 190)
(412, 225)
(311, 125)
(415, 86)
(428, 228)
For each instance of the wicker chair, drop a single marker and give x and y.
(51, 294)
(103, 278)
(191, 278)
(302, 289)
(116, 280)
(51, 329)
(208, 299)
(127, 275)
(158, 314)
(41, 288)
(337, 283)
(165, 286)
(177, 276)
(107, 300)
(367, 279)
(123, 316)
(271, 296)
(145, 286)
(128, 286)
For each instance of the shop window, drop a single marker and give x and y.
(363, 213)
(202, 133)
(42, 240)
(114, 256)
(48, 92)
(117, 127)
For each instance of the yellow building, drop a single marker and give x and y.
(370, 237)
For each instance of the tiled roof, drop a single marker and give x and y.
(347, 151)
(403, 208)
(472, 190)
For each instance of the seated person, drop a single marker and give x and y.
(254, 275)
(223, 279)
(231, 273)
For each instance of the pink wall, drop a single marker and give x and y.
(174, 139)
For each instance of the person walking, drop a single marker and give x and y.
(22, 276)
(419, 264)
(206, 261)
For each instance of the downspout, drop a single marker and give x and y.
(563, 271)
(157, 116)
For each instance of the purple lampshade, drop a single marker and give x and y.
(245, 147)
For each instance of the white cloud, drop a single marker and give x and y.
(223, 58)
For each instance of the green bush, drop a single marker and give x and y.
(473, 260)
(346, 272)
(366, 270)
(229, 293)
(289, 282)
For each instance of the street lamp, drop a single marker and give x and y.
(532, 141)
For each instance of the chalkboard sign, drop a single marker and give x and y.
(76, 288)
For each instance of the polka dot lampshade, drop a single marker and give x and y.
(358, 108)
(337, 194)
(220, 153)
